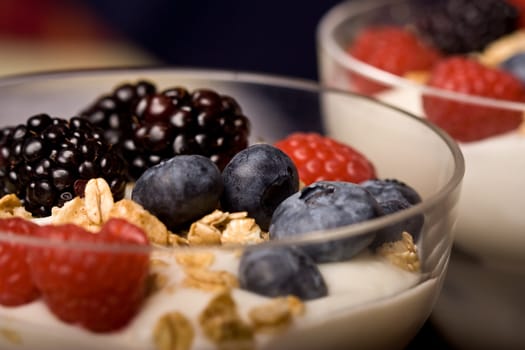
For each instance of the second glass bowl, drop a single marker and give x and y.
(481, 304)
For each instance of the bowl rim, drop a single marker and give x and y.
(346, 10)
(218, 75)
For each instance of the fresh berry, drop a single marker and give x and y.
(16, 284)
(515, 65)
(97, 281)
(464, 26)
(520, 7)
(179, 190)
(322, 158)
(45, 159)
(385, 190)
(114, 112)
(469, 121)
(392, 49)
(281, 271)
(326, 205)
(393, 196)
(257, 180)
(160, 125)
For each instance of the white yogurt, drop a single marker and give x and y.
(367, 298)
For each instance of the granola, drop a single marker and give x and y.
(10, 205)
(173, 331)
(137, 215)
(202, 234)
(242, 230)
(222, 324)
(11, 336)
(277, 314)
(224, 228)
(210, 280)
(420, 77)
(195, 259)
(89, 211)
(402, 253)
(98, 200)
(156, 281)
(503, 48)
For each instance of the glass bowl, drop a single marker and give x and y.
(371, 302)
(481, 303)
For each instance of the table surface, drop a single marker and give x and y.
(27, 56)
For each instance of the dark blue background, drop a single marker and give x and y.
(272, 36)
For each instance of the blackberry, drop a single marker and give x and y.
(113, 112)
(462, 26)
(47, 161)
(175, 121)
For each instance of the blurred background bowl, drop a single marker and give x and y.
(481, 305)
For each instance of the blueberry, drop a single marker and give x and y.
(325, 205)
(281, 271)
(393, 196)
(179, 190)
(389, 189)
(256, 180)
(515, 65)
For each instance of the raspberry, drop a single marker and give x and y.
(321, 158)
(392, 49)
(92, 279)
(16, 284)
(466, 121)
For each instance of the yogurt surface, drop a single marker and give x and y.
(367, 282)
